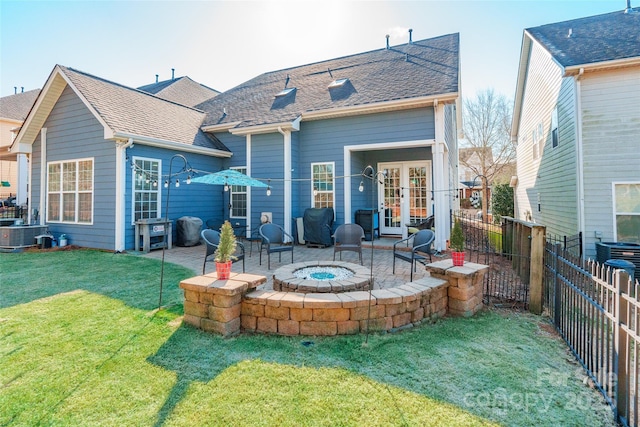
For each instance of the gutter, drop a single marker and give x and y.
(579, 70)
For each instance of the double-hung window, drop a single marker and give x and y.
(323, 183)
(70, 191)
(627, 211)
(238, 198)
(146, 188)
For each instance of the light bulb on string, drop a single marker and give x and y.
(177, 183)
(155, 183)
(315, 191)
(361, 187)
(188, 179)
(268, 187)
(166, 183)
(226, 187)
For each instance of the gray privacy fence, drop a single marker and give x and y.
(596, 310)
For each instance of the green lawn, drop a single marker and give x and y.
(82, 344)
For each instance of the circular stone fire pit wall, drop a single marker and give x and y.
(321, 277)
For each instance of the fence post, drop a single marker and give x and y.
(557, 290)
(621, 344)
(536, 272)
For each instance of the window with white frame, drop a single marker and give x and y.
(537, 141)
(322, 180)
(146, 188)
(238, 197)
(70, 191)
(627, 211)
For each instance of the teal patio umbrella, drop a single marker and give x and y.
(229, 177)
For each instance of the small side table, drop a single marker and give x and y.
(154, 232)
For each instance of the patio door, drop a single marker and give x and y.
(404, 195)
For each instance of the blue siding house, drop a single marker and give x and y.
(376, 130)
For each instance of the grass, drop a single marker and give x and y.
(82, 344)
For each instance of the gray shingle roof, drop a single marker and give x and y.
(423, 68)
(182, 90)
(132, 111)
(17, 106)
(593, 39)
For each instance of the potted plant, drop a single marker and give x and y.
(457, 244)
(224, 253)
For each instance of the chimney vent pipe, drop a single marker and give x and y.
(387, 36)
(410, 36)
(157, 78)
(15, 90)
(173, 74)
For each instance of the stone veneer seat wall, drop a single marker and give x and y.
(226, 307)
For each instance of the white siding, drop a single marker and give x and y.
(547, 186)
(611, 141)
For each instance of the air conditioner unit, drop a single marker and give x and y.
(618, 250)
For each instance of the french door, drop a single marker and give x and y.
(404, 195)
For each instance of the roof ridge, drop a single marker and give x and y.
(585, 18)
(92, 76)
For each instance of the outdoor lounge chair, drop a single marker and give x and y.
(212, 239)
(274, 240)
(422, 241)
(348, 237)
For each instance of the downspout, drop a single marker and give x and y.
(579, 149)
(121, 191)
(250, 173)
(287, 178)
(439, 191)
(43, 175)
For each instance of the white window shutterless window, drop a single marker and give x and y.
(322, 180)
(70, 191)
(147, 186)
(238, 197)
(627, 211)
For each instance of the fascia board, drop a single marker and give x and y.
(220, 128)
(525, 53)
(381, 106)
(616, 63)
(267, 128)
(172, 145)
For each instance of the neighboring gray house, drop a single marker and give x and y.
(577, 125)
(309, 132)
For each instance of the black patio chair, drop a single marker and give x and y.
(348, 237)
(422, 241)
(274, 240)
(212, 239)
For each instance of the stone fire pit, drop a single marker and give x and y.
(321, 277)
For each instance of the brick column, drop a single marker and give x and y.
(465, 285)
(214, 305)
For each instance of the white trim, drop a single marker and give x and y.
(287, 179)
(347, 149)
(381, 106)
(613, 206)
(268, 128)
(76, 191)
(172, 145)
(220, 128)
(121, 180)
(134, 159)
(614, 63)
(333, 182)
(43, 176)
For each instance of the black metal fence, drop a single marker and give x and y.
(597, 312)
(505, 285)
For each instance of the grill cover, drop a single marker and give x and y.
(318, 225)
(188, 231)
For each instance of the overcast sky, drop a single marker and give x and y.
(224, 43)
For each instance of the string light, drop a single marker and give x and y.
(226, 187)
(166, 183)
(268, 187)
(361, 187)
(155, 183)
(315, 191)
(188, 179)
(177, 183)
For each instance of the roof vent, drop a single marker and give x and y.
(570, 33)
(286, 82)
(157, 78)
(285, 92)
(387, 36)
(173, 74)
(337, 83)
(410, 36)
(628, 9)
